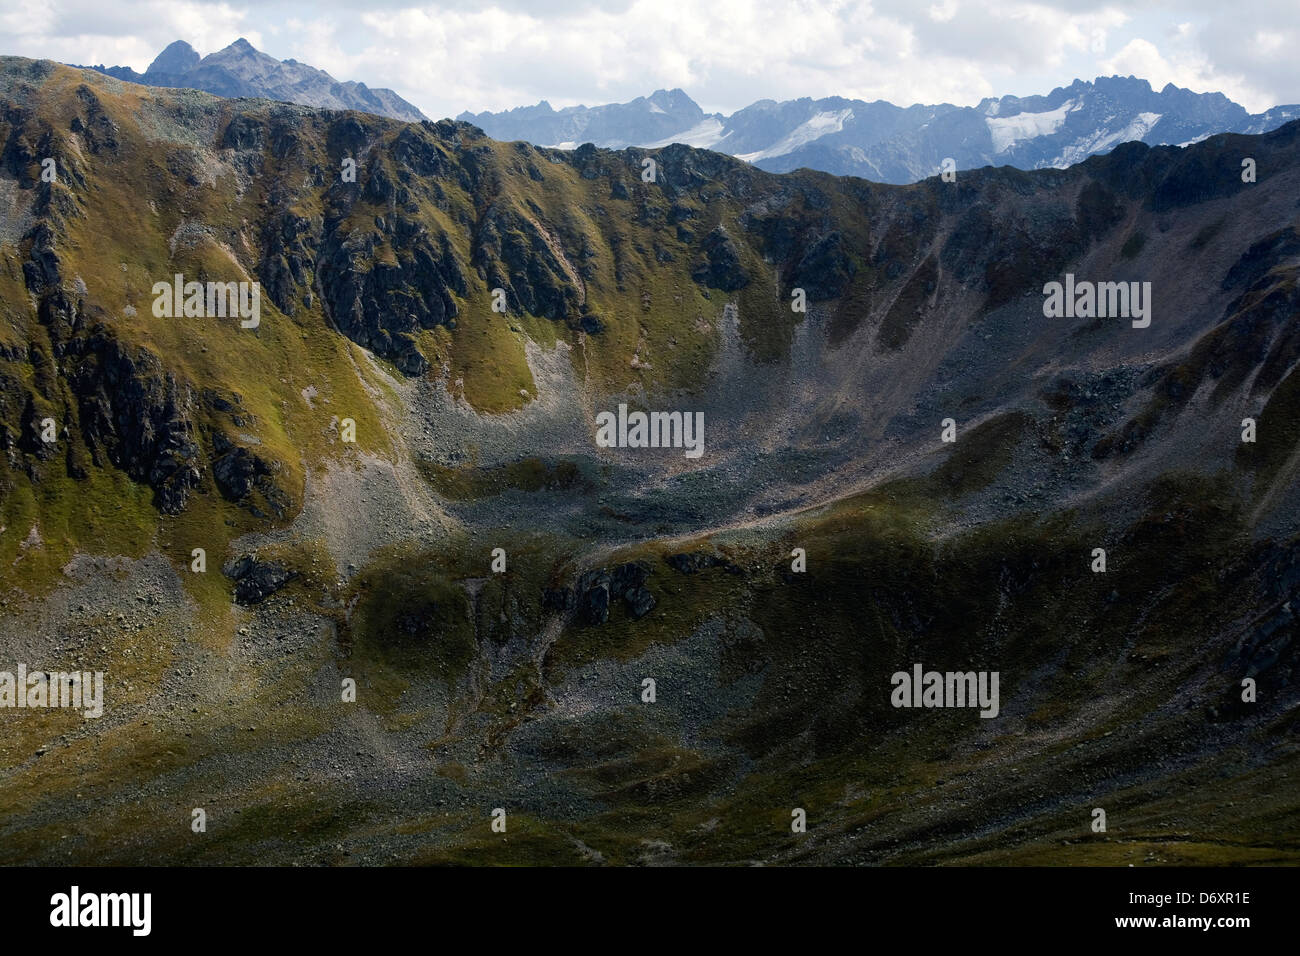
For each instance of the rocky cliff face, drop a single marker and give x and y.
(323, 495)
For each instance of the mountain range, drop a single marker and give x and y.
(241, 70)
(888, 143)
(362, 579)
(876, 140)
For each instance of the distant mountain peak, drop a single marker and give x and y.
(241, 49)
(887, 143)
(241, 69)
(676, 95)
(178, 57)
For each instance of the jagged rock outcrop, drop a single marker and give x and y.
(512, 252)
(247, 479)
(719, 266)
(256, 580)
(597, 590)
(380, 303)
(139, 417)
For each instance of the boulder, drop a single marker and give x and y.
(256, 580)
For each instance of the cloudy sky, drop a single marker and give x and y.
(452, 55)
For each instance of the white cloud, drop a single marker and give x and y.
(122, 34)
(943, 12)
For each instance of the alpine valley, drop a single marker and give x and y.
(360, 574)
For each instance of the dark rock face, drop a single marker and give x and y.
(640, 601)
(683, 170)
(825, 270)
(380, 304)
(598, 589)
(1007, 263)
(139, 418)
(236, 471)
(41, 270)
(287, 257)
(239, 474)
(593, 606)
(122, 408)
(419, 153)
(1270, 646)
(628, 582)
(94, 125)
(720, 268)
(243, 133)
(119, 402)
(511, 252)
(349, 137)
(1261, 257)
(256, 580)
(33, 414)
(559, 599)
